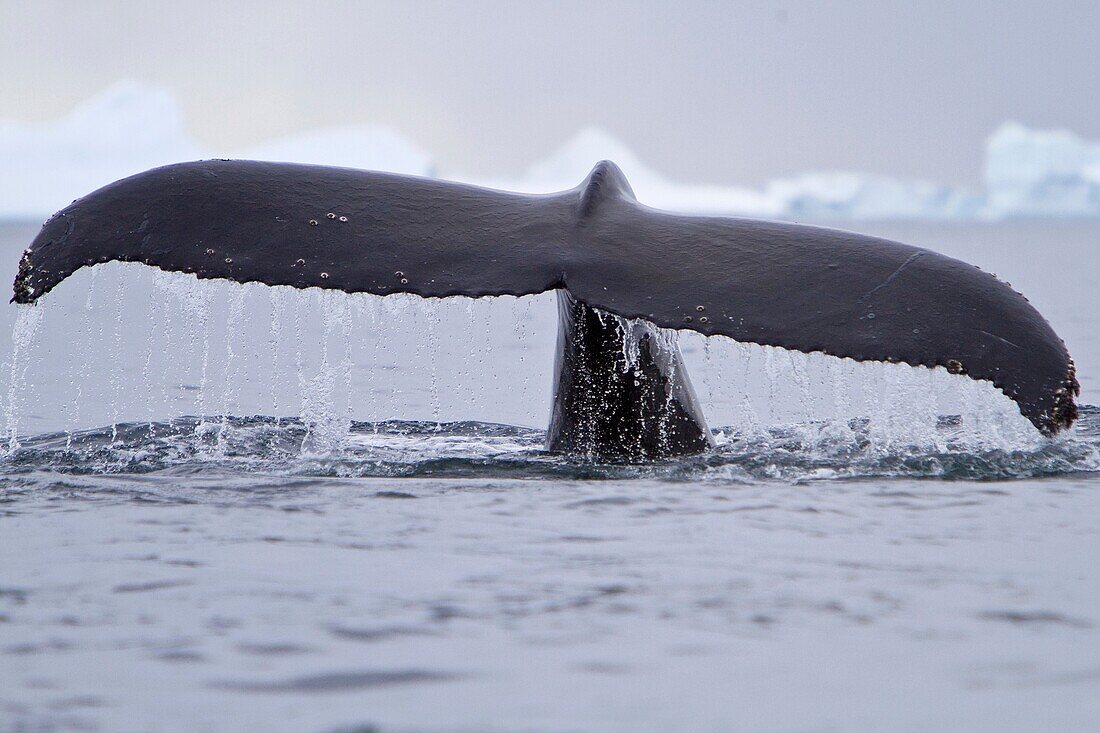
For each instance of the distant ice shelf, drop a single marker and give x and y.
(131, 127)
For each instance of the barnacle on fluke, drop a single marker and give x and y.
(772, 283)
(1063, 413)
(23, 277)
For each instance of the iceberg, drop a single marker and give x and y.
(124, 130)
(131, 127)
(1041, 173)
(829, 195)
(845, 195)
(566, 167)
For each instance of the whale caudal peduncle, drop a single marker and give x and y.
(621, 390)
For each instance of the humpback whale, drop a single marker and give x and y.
(623, 272)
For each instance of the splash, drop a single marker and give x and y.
(159, 345)
(395, 448)
(326, 424)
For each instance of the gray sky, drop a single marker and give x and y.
(706, 91)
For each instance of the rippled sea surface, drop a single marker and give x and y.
(869, 548)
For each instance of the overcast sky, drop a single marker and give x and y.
(732, 92)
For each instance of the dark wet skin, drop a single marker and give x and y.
(620, 391)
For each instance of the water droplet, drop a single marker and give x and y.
(703, 319)
(343, 218)
(700, 308)
(228, 260)
(404, 281)
(299, 263)
(399, 273)
(870, 316)
(324, 276)
(330, 215)
(209, 251)
(687, 319)
(916, 330)
(313, 222)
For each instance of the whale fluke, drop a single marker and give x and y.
(799, 287)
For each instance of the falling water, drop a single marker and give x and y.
(231, 388)
(347, 360)
(820, 400)
(116, 359)
(23, 336)
(484, 336)
(708, 373)
(744, 365)
(771, 369)
(432, 336)
(370, 304)
(797, 365)
(154, 332)
(326, 424)
(278, 307)
(82, 372)
(195, 302)
(469, 349)
(521, 313)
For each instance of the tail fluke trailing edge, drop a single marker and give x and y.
(798, 287)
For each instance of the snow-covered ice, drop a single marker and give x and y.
(1041, 173)
(569, 164)
(131, 127)
(124, 130)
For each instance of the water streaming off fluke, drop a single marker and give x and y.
(126, 345)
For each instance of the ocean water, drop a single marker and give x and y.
(228, 508)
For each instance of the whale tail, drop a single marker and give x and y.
(798, 287)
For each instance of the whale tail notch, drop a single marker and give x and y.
(798, 287)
